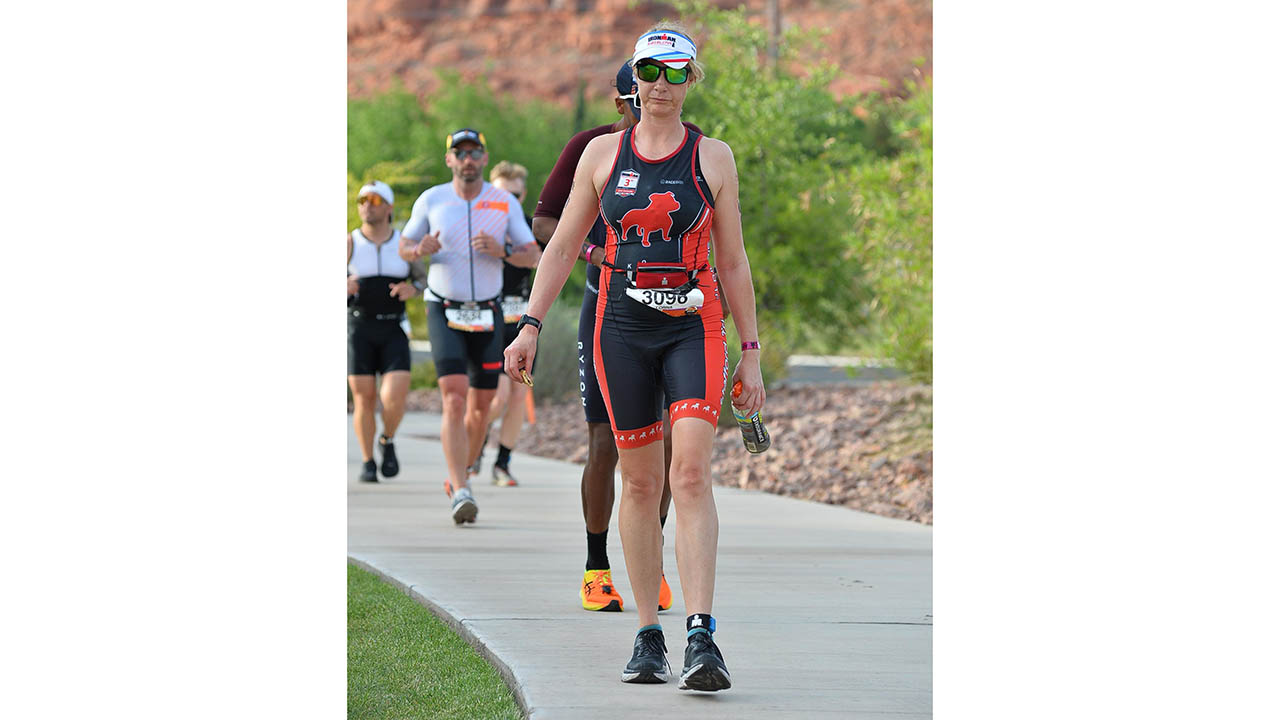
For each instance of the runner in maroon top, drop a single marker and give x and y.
(597, 591)
(659, 325)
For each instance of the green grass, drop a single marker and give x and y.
(402, 662)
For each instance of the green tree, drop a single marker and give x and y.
(893, 233)
(790, 139)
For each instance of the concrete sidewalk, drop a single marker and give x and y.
(822, 612)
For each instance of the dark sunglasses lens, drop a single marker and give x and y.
(676, 76)
(463, 154)
(647, 73)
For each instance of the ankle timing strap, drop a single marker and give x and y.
(699, 622)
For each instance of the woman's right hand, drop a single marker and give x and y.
(519, 354)
(353, 285)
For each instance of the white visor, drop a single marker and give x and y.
(667, 47)
(379, 188)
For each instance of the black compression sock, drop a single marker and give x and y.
(597, 555)
(504, 456)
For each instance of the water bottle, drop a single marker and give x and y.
(754, 435)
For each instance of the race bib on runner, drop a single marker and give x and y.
(469, 317)
(513, 306)
(676, 302)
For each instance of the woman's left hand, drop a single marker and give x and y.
(748, 373)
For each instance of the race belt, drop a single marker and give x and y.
(670, 289)
(513, 306)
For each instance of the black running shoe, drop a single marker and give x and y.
(390, 466)
(648, 659)
(703, 665)
(370, 472)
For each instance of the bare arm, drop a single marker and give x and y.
(418, 274)
(735, 270)
(544, 227)
(525, 256)
(353, 286)
(562, 251)
(416, 240)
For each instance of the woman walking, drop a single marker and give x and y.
(664, 192)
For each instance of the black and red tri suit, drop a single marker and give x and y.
(657, 211)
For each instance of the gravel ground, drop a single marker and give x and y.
(869, 448)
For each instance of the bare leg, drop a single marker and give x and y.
(513, 418)
(500, 400)
(698, 531)
(478, 402)
(395, 388)
(638, 524)
(597, 477)
(453, 433)
(366, 403)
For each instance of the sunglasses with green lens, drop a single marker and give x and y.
(649, 72)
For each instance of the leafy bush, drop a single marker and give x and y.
(773, 364)
(893, 231)
(422, 376)
(557, 371)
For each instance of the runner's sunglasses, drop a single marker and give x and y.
(370, 198)
(649, 72)
(475, 153)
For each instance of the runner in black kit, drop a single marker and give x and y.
(378, 283)
(517, 268)
(662, 190)
(597, 591)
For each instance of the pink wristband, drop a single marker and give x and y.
(753, 345)
(587, 255)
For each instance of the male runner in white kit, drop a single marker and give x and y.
(467, 227)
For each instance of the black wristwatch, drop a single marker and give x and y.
(506, 250)
(528, 320)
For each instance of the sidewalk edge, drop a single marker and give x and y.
(458, 626)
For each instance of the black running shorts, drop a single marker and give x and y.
(588, 389)
(478, 354)
(376, 347)
(638, 355)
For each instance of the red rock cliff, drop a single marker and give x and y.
(532, 46)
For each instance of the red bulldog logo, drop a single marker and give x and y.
(654, 217)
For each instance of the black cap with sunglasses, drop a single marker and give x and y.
(453, 139)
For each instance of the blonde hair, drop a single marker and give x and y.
(509, 171)
(698, 72)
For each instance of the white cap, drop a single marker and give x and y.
(379, 188)
(667, 47)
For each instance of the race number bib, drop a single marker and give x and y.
(676, 302)
(513, 306)
(470, 317)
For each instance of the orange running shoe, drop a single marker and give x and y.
(664, 595)
(598, 593)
